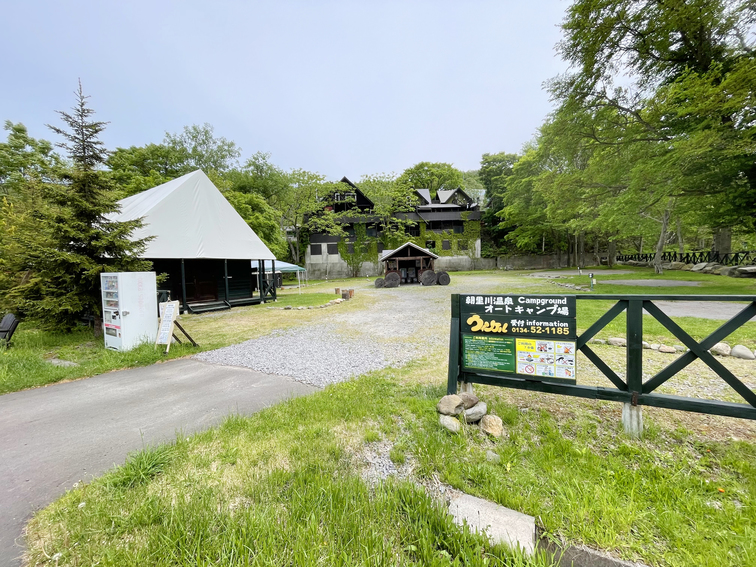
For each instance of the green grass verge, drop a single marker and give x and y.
(26, 363)
(283, 487)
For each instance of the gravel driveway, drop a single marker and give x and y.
(400, 324)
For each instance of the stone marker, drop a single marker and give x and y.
(740, 351)
(451, 405)
(476, 412)
(492, 425)
(617, 341)
(450, 423)
(720, 349)
(499, 524)
(469, 399)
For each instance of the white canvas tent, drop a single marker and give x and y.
(189, 218)
(201, 242)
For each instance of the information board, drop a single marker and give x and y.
(168, 312)
(531, 336)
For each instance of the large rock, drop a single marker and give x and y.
(740, 351)
(676, 266)
(469, 399)
(450, 423)
(727, 270)
(451, 405)
(721, 349)
(747, 271)
(492, 425)
(667, 349)
(476, 412)
(698, 267)
(617, 341)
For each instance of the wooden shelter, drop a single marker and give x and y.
(409, 261)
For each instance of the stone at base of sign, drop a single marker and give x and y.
(450, 423)
(450, 405)
(492, 425)
(632, 419)
(469, 399)
(475, 413)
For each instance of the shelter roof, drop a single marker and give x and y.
(189, 218)
(388, 254)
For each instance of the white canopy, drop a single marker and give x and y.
(189, 218)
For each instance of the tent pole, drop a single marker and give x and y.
(273, 273)
(260, 276)
(183, 287)
(225, 276)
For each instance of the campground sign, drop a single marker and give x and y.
(520, 335)
(530, 342)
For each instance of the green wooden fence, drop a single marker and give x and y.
(633, 388)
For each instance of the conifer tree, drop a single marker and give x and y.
(62, 283)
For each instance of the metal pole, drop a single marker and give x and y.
(273, 273)
(225, 276)
(184, 307)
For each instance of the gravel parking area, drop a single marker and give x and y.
(399, 325)
(317, 356)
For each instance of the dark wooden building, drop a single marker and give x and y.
(409, 261)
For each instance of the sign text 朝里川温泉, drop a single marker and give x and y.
(526, 335)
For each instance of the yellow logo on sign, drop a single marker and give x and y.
(478, 324)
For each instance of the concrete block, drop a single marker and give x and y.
(500, 524)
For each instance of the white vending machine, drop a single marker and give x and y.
(129, 309)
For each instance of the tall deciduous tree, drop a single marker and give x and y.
(203, 150)
(433, 176)
(61, 269)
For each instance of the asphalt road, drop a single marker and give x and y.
(54, 436)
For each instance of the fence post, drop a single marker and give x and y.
(632, 413)
(451, 387)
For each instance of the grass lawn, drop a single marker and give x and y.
(294, 484)
(283, 487)
(26, 364)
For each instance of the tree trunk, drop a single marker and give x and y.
(640, 248)
(680, 243)
(612, 253)
(581, 249)
(569, 257)
(660, 244)
(722, 243)
(596, 255)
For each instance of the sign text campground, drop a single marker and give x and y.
(527, 336)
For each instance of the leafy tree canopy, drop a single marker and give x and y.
(433, 176)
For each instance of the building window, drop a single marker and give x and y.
(462, 244)
(333, 248)
(316, 249)
(380, 247)
(413, 230)
(430, 244)
(446, 244)
(350, 248)
(459, 229)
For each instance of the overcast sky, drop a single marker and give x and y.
(339, 87)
